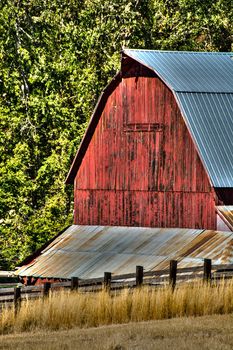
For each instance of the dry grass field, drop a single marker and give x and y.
(66, 309)
(65, 319)
(206, 332)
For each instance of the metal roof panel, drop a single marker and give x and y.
(88, 251)
(189, 71)
(209, 118)
(226, 213)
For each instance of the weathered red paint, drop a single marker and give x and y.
(141, 167)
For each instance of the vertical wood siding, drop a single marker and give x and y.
(141, 167)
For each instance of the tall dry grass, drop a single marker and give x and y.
(68, 309)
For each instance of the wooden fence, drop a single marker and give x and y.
(173, 276)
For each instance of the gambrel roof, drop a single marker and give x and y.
(202, 83)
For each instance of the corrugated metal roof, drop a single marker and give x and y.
(88, 251)
(226, 213)
(202, 83)
(210, 121)
(189, 71)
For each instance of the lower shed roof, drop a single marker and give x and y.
(226, 213)
(88, 251)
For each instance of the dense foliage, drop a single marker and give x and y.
(55, 58)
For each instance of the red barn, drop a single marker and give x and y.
(158, 151)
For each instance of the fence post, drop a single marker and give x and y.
(46, 289)
(207, 270)
(74, 283)
(172, 273)
(139, 275)
(29, 281)
(17, 299)
(107, 280)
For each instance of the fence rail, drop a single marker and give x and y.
(173, 275)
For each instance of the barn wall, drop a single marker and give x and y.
(141, 167)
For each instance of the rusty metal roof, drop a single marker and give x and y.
(226, 213)
(89, 251)
(202, 83)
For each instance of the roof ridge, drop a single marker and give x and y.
(203, 92)
(182, 52)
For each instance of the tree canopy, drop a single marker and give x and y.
(55, 58)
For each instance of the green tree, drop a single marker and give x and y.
(55, 58)
(193, 25)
